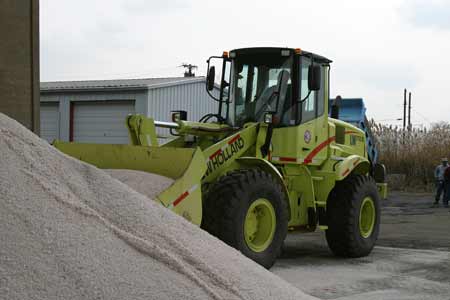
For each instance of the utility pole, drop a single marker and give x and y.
(189, 68)
(409, 113)
(404, 110)
(404, 116)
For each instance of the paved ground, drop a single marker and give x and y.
(409, 221)
(411, 261)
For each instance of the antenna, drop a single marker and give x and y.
(189, 68)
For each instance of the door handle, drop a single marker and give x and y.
(305, 149)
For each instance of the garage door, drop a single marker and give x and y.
(101, 122)
(49, 121)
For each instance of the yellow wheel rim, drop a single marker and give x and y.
(259, 225)
(367, 216)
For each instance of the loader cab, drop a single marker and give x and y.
(290, 84)
(261, 82)
(276, 80)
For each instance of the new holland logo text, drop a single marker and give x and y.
(223, 154)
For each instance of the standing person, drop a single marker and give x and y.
(439, 176)
(446, 186)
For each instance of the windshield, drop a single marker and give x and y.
(260, 84)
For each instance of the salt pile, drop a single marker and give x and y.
(70, 231)
(150, 185)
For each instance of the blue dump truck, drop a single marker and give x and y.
(353, 111)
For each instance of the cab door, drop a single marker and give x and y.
(313, 128)
(300, 141)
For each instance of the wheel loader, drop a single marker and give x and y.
(270, 161)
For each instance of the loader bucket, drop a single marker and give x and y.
(185, 165)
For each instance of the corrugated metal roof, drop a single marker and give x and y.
(128, 84)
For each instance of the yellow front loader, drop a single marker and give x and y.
(270, 161)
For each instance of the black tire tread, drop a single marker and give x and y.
(224, 199)
(343, 213)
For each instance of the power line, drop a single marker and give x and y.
(421, 115)
(389, 120)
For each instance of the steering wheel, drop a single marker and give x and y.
(207, 117)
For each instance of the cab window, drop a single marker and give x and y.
(313, 104)
(262, 85)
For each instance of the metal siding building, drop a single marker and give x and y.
(189, 97)
(95, 111)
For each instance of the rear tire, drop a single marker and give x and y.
(353, 214)
(247, 210)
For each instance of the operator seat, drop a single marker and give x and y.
(283, 79)
(286, 113)
(284, 89)
(281, 87)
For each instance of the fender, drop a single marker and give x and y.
(352, 164)
(267, 167)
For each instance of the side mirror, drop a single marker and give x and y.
(314, 77)
(210, 78)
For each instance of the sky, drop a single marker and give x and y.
(378, 48)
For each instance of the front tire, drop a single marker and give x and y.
(353, 213)
(247, 210)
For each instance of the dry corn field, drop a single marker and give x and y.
(412, 154)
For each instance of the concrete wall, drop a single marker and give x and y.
(19, 61)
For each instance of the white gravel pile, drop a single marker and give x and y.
(150, 185)
(70, 231)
